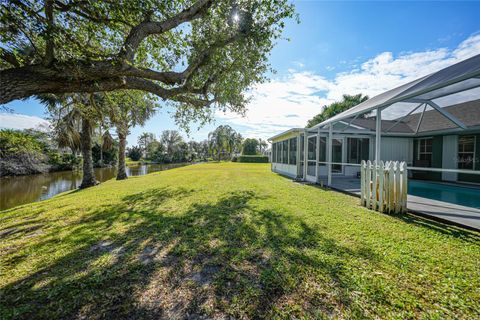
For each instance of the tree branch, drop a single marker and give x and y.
(50, 46)
(9, 57)
(140, 32)
(81, 8)
(205, 56)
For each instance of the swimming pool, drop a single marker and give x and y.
(462, 195)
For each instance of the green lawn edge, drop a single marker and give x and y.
(229, 240)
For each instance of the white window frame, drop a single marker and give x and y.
(419, 147)
(474, 150)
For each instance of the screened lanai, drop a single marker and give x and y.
(445, 103)
(432, 124)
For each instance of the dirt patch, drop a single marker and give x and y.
(205, 276)
(24, 230)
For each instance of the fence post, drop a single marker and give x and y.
(391, 187)
(381, 176)
(362, 182)
(368, 187)
(374, 186)
(403, 167)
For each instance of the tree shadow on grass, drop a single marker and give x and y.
(422, 221)
(440, 227)
(141, 259)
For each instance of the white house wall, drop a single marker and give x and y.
(396, 149)
(285, 169)
(449, 152)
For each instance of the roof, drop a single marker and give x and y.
(286, 132)
(467, 112)
(432, 120)
(459, 77)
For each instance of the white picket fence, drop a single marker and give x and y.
(384, 186)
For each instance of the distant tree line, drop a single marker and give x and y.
(170, 147)
(223, 144)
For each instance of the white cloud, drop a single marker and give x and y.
(299, 64)
(291, 100)
(21, 121)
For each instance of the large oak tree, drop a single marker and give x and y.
(192, 53)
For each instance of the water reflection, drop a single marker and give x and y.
(19, 190)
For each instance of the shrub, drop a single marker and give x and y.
(253, 159)
(108, 157)
(21, 153)
(134, 153)
(250, 146)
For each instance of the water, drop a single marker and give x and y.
(19, 190)
(462, 195)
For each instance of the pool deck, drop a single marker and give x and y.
(438, 210)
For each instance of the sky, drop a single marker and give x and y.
(337, 48)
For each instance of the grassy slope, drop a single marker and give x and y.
(229, 239)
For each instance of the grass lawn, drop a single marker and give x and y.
(130, 162)
(229, 239)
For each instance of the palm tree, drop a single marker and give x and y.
(74, 119)
(144, 141)
(66, 130)
(262, 145)
(215, 140)
(127, 109)
(224, 139)
(169, 139)
(107, 143)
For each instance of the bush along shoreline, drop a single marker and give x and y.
(31, 152)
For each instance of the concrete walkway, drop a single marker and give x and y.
(438, 210)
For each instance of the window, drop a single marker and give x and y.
(311, 156)
(425, 151)
(322, 151)
(279, 152)
(302, 154)
(285, 151)
(302, 147)
(312, 148)
(273, 152)
(358, 150)
(466, 152)
(292, 159)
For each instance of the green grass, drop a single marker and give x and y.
(229, 239)
(130, 162)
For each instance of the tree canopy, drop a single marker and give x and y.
(337, 107)
(250, 146)
(194, 54)
(224, 140)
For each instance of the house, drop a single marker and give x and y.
(432, 123)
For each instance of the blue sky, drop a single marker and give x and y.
(338, 47)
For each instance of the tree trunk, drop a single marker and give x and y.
(88, 179)
(122, 173)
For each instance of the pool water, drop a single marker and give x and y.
(461, 195)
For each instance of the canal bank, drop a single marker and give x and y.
(18, 190)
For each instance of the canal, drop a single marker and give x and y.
(17, 190)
